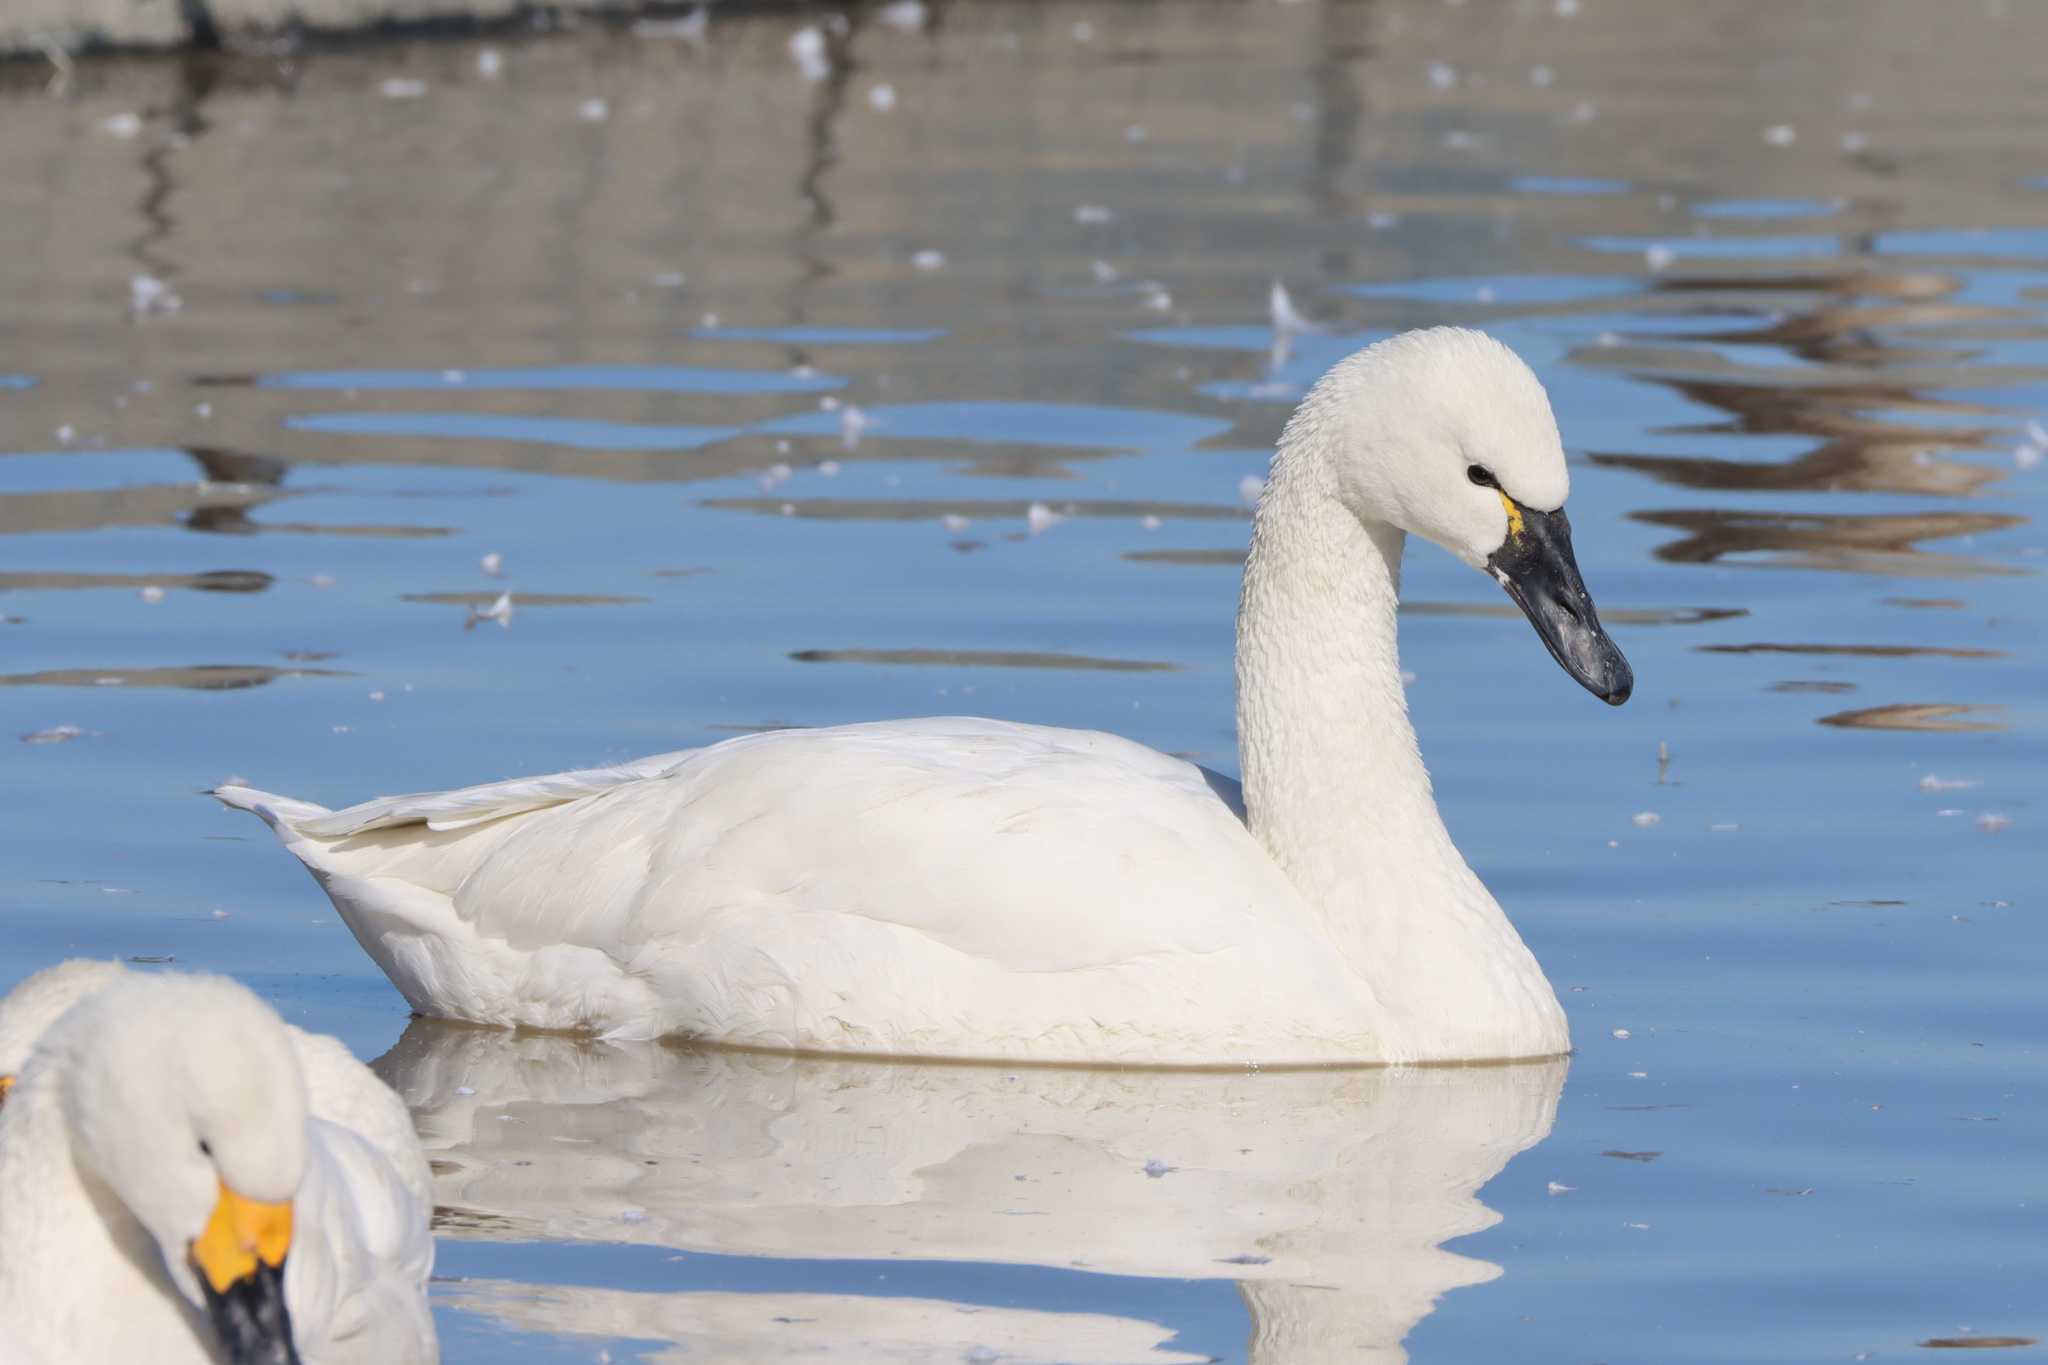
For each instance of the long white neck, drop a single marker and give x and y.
(1334, 785)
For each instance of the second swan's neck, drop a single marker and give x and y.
(1336, 792)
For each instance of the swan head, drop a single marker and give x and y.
(1448, 435)
(185, 1102)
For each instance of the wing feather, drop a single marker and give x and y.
(468, 806)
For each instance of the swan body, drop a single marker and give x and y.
(98, 1199)
(701, 918)
(965, 888)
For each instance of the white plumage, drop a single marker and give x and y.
(100, 1192)
(978, 889)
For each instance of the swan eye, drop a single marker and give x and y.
(206, 1149)
(1482, 476)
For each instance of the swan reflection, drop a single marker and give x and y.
(1327, 1195)
(772, 1327)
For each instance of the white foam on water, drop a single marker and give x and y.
(808, 50)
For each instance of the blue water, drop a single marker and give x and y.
(1791, 895)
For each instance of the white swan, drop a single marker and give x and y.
(167, 1142)
(976, 889)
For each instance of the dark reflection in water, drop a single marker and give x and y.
(1900, 464)
(348, 530)
(198, 507)
(1886, 545)
(1221, 558)
(199, 677)
(980, 658)
(231, 485)
(1863, 651)
(216, 580)
(220, 465)
(1828, 688)
(522, 599)
(879, 509)
(1920, 716)
(1628, 616)
(1859, 448)
(1833, 331)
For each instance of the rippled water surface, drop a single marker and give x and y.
(750, 384)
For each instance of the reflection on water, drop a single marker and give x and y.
(1326, 1196)
(1857, 651)
(1623, 616)
(773, 1327)
(200, 677)
(1002, 282)
(1930, 717)
(973, 509)
(232, 484)
(213, 580)
(1820, 685)
(1882, 545)
(979, 658)
(1202, 559)
(522, 599)
(591, 378)
(198, 507)
(1856, 448)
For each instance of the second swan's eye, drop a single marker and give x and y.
(1482, 476)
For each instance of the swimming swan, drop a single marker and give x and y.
(960, 888)
(185, 1179)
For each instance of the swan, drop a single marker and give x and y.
(186, 1178)
(975, 889)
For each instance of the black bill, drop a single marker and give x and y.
(254, 1326)
(1535, 565)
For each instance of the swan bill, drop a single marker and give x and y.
(240, 1259)
(6, 1084)
(254, 1326)
(1536, 566)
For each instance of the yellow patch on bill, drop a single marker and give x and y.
(1515, 527)
(239, 1234)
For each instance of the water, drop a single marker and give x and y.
(1794, 372)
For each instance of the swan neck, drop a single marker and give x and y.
(1332, 774)
(69, 1232)
(1335, 789)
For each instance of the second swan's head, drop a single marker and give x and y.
(1446, 434)
(186, 1107)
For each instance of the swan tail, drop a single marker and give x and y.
(463, 808)
(281, 813)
